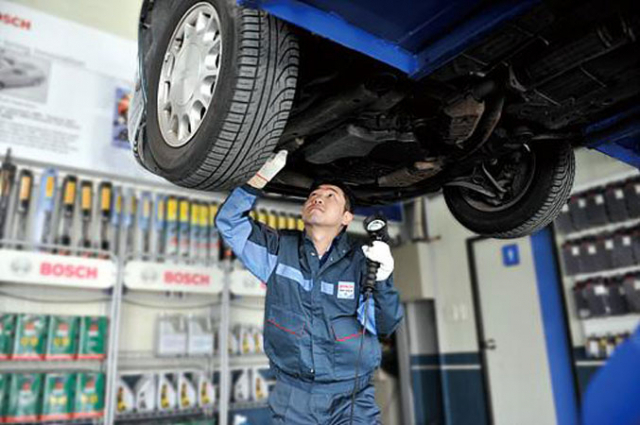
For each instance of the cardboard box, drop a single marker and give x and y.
(93, 337)
(171, 338)
(200, 336)
(7, 333)
(30, 338)
(89, 396)
(57, 399)
(62, 340)
(24, 398)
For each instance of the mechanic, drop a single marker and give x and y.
(314, 310)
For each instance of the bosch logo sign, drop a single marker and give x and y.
(68, 271)
(15, 21)
(183, 278)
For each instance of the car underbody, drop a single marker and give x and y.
(539, 80)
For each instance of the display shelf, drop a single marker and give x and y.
(132, 364)
(84, 421)
(51, 365)
(610, 325)
(166, 277)
(237, 360)
(244, 360)
(584, 331)
(42, 268)
(605, 273)
(247, 405)
(159, 416)
(595, 231)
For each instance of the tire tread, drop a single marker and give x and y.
(259, 109)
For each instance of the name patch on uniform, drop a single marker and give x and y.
(327, 288)
(346, 290)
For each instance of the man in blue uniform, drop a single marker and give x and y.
(314, 310)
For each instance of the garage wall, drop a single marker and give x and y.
(459, 364)
(593, 169)
(118, 17)
(424, 362)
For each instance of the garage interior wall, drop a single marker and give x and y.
(117, 17)
(455, 375)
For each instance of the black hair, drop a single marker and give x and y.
(350, 199)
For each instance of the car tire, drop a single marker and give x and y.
(251, 97)
(549, 190)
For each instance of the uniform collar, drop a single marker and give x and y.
(340, 242)
(339, 247)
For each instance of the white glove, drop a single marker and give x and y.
(381, 254)
(269, 170)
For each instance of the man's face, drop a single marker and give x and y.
(325, 206)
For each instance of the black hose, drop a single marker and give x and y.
(364, 331)
(370, 281)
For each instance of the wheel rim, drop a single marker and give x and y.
(519, 174)
(189, 74)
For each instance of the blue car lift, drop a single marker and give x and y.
(419, 36)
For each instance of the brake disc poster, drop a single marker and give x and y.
(64, 92)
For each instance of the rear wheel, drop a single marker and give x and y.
(515, 194)
(220, 83)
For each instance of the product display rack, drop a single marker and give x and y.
(19, 260)
(126, 284)
(9, 366)
(155, 417)
(248, 405)
(594, 335)
(22, 268)
(59, 421)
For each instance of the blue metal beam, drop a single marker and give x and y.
(558, 343)
(417, 64)
(617, 136)
(335, 28)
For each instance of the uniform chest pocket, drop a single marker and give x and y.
(284, 332)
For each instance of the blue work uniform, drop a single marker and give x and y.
(313, 316)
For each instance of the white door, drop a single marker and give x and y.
(518, 369)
